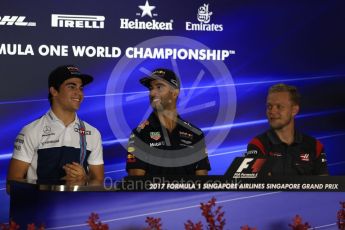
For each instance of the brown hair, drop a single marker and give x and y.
(295, 97)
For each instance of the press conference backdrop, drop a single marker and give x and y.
(227, 54)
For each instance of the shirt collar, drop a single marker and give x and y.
(54, 118)
(273, 137)
(153, 119)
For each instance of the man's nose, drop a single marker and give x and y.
(79, 91)
(153, 92)
(273, 109)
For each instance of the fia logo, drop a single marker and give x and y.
(256, 165)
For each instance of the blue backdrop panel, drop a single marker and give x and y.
(267, 42)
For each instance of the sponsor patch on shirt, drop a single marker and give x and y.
(20, 141)
(47, 130)
(50, 142)
(323, 157)
(186, 135)
(252, 152)
(130, 149)
(186, 142)
(131, 158)
(304, 157)
(47, 135)
(156, 144)
(18, 147)
(155, 135)
(82, 131)
(275, 154)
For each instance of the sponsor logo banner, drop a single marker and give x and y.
(204, 18)
(15, 21)
(77, 21)
(136, 24)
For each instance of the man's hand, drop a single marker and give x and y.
(74, 171)
(202, 172)
(136, 172)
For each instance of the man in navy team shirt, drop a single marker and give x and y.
(291, 152)
(165, 144)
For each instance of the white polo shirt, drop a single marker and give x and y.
(47, 144)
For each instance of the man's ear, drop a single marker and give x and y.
(53, 91)
(176, 92)
(295, 110)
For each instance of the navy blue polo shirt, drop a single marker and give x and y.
(305, 156)
(159, 152)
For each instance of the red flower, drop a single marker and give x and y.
(341, 216)
(246, 227)
(154, 223)
(297, 224)
(95, 224)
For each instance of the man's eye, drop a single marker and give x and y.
(71, 87)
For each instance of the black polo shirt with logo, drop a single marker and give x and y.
(305, 156)
(153, 137)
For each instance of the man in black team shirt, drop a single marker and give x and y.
(291, 152)
(165, 144)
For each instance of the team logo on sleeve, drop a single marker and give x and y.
(18, 144)
(252, 152)
(155, 135)
(323, 157)
(131, 158)
(130, 149)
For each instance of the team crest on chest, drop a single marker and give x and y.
(155, 135)
(304, 157)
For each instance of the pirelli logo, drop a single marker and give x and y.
(78, 21)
